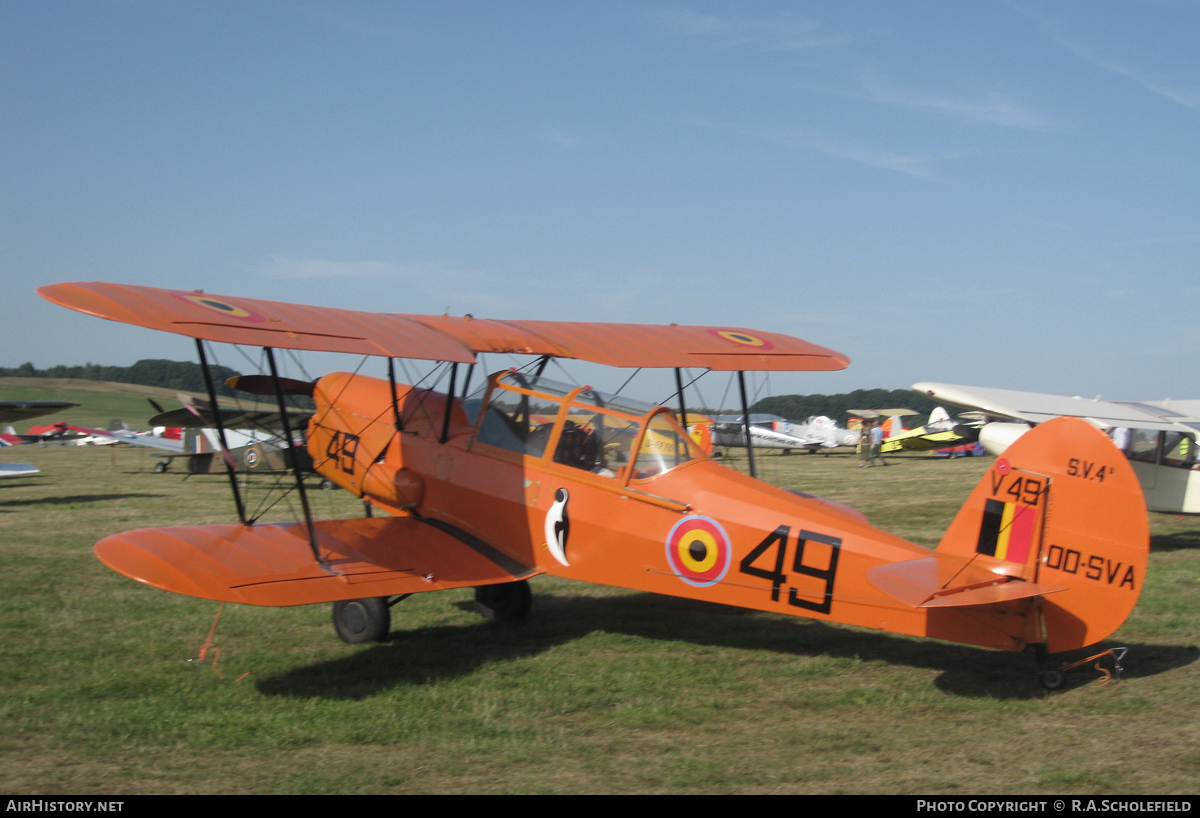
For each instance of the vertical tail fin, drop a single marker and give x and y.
(1062, 507)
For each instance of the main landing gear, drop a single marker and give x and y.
(363, 620)
(507, 602)
(358, 621)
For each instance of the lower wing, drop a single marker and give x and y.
(274, 565)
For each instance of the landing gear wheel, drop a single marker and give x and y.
(326, 485)
(160, 466)
(509, 602)
(1051, 678)
(362, 620)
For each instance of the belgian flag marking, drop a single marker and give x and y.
(1006, 532)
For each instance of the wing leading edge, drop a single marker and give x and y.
(256, 322)
(1035, 407)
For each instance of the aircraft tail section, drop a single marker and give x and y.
(1062, 510)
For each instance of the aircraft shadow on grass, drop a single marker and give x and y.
(421, 656)
(1177, 541)
(12, 505)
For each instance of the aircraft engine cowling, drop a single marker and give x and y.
(402, 488)
(997, 437)
(353, 440)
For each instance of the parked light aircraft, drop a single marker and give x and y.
(121, 433)
(482, 497)
(189, 433)
(1157, 437)
(252, 439)
(250, 450)
(940, 432)
(774, 432)
(14, 410)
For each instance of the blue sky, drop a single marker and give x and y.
(993, 193)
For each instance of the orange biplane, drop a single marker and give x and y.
(528, 476)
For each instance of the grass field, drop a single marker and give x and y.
(99, 401)
(601, 691)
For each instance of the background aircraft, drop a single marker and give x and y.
(940, 432)
(774, 432)
(12, 411)
(252, 438)
(190, 433)
(1157, 437)
(614, 492)
(880, 414)
(123, 434)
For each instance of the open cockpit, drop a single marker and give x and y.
(609, 436)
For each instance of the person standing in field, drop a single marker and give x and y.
(876, 444)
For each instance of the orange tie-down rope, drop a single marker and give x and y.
(203, 654)
(1117, 655)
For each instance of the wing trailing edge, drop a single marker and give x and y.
(273, 565)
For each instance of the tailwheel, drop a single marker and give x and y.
(507, 602)
(1050, 675)
(1051, 678)
(362, 620)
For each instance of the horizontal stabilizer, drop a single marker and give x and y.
(946, 581)
(274, 565)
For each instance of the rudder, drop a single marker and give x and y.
(1062, 507)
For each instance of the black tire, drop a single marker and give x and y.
(362, 620)
(160, 466)
(326, 485)
(1051, 678)
(509, 602)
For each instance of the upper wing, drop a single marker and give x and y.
(13, 410)
(874, 414)
(258, 323)
(1034, 407)
(273, 564)
(275, 324)
(645, 345)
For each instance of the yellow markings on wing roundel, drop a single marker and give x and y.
(221, 307)
(743, 338)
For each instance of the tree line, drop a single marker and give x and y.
(799, 407)
(186, 376)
